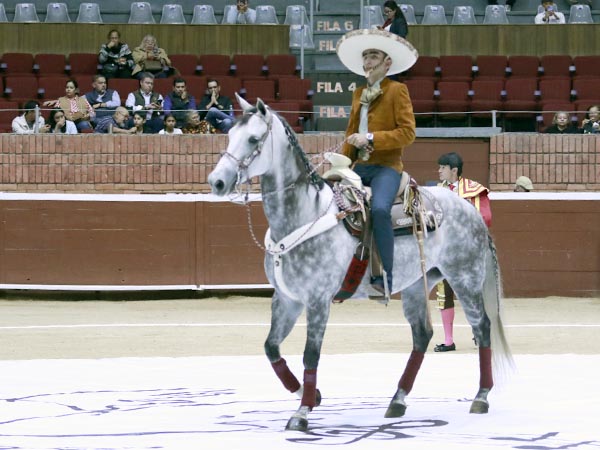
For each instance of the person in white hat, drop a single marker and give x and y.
(523, 184)
(380, 126)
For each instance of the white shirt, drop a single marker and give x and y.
(130, 102)
(71, 128)
(20, 125)
(175, 131)
(557, 18)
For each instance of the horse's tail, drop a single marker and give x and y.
(502, 361)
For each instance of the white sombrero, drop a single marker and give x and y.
(351, 46)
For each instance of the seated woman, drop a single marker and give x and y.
(59, 123)
(149, 57)
(169, 128)
(115, 57)
(562, 125)
(196, 126)
(591, 123)
(76, 108)
(395, 21)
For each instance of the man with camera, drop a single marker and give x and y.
(146, 99)
(549, 14)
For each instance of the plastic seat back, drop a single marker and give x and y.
(25, 12)
(372, 17)
(89, 13)
(203, 14)
(141, 12)
(434, 15)
(266, 15)
(495, 15)
(580, 14)
(409, 14)
(463, 15)
(172, 14)
(57, 13)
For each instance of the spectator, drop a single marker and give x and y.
(149, 57)
(59, 124)
(139, 123)
(215, 108)
(523, 184)
(27, 122)
(169, 128)
(591, 123)
(240, 14)
(145, 99)
(116, 57)
(118, 123)
(196, 126)
(103, 100)
(77, 109)
(508, 6)
(179, 101)
(549, 14)
(395, 21)
(561, 124)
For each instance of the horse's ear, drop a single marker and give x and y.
(260, 105)
(243, 103)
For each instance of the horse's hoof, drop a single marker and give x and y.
(297, 424)
(299, 421)
(395, 410)
(318, 398)
(479, 407)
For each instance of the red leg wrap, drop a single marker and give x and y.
(290, 382)
(486, 380)
(309, 397)
(411, 370)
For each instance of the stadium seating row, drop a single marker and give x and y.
(465, 68)
(275, 66)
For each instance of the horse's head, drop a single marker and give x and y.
(247, 155)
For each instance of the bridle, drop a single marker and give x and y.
(244, 164)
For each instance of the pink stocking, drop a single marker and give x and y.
(448, 321)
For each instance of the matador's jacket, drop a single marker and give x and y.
(476, 194)
(390, 119)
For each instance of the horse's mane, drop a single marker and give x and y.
(313, 176)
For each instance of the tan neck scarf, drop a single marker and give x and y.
(369, 94)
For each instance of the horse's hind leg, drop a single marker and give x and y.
(473, 307)
(415, 310)
(284, 314)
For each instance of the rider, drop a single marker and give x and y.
(380, 126)
(450, 172)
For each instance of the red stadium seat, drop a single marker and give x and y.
(187, 65)
(49, 64)
(487, 96)
(124, 86)
(8, 111)
(524, 66)
(255, 88)
(229, 86)
(556, 66)
(422, 92)
(291, 112)
(83, 63)
(284, 65)
(520, 96)
(249, 66)
(53, 86)
(456, 68)
(586, 66)
(555, 89)
(453, 98)
(297, 90)
(491, 67)
(21, 89)
(14, 64)
(215, 65)
(425, 67)
(196, 86)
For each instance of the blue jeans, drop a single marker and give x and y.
(218, 119)
(384, 182)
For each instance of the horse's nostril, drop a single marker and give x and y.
(219, 185)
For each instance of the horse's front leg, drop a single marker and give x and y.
(414, 304)
(317, 314)
(284, 314)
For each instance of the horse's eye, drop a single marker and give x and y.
(253, 140)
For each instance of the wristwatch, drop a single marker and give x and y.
(369, 137)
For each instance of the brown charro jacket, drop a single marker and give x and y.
(391, 120)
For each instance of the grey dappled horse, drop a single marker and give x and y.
(309, 251)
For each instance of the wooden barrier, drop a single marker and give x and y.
(188, 39)
(431, 40)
